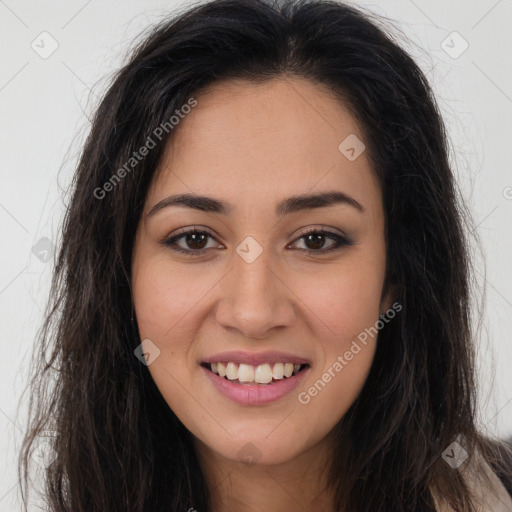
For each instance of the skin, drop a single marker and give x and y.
(253, 146)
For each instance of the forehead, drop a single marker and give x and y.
(261, 141)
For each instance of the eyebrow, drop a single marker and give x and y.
(290, 205)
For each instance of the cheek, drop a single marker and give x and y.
(345, 301)
(165, 297)
(165, 303)
(346, 306)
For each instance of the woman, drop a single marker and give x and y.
(262, 296)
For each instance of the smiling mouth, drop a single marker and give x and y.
(250, 375)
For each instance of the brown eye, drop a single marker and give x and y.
(196, 240)
(315, 240)
(193, 241)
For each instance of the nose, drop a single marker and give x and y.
(255, 298)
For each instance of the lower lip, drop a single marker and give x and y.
(246, 394)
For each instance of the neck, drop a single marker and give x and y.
(298, 484)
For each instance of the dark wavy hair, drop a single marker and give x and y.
(118, 445)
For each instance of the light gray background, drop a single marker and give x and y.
(45, 104)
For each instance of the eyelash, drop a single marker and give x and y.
(341, 242)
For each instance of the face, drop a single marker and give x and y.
(273, 281)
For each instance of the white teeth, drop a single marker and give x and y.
(278, 371)
(262, 374)
(232, 371)
(245, 373)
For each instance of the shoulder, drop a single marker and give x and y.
(504, 469)
(490, 486)
(493, 495)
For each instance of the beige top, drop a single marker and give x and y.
(496, 499)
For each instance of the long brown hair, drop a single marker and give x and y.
(117, 444)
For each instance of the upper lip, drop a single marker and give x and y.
(255, 359)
